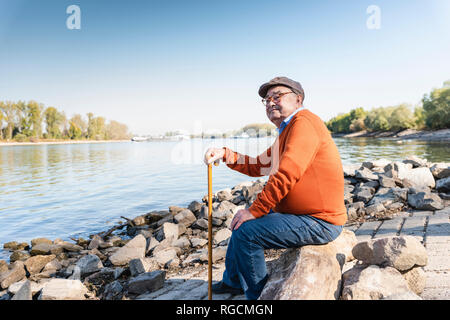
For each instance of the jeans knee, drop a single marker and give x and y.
(240, 234)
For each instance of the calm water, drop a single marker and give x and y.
(78, 189)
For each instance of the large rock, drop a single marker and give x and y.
(18, 255)
(443, 185)
(14, 274)
(365, 174)
(372, 283)
(24, 292)
(416, 279)
(147, 282)
(35, 264)
(223, 195)
(37, 241)
(440, 170)
(63, 289)
(142, 265)
(135, 248)
(168, 231)
(165, 256)
(400, 252)
(185, 217)
(89, 264)
(425, 201)
(387, 196)
(222, 235)
(309, 272)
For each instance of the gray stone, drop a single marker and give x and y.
(195, 207)
(139, 221)
(372, 283)
(37, 241)
(416, 279)
(365, 174)
(24, 292)
(113, 291)
(415, 161)
(63, 289)
(387, 196)
(135, 248)
(309, 272)
(386, 182)
(14, 274)
(373, 210)
(443, 185)
(37, 263)
(19, 255)
(165, 256)
(147, 282)
(222, 235)
(142, 265)
(400, 252)
(185, 217)
(168, 231)
(201, 224)
(182, 242)
(363, 194)
(224, 195)
(440, 170)
(198, 242)
(71, 247)
(425, 201)
(14, 245)
(89, 264)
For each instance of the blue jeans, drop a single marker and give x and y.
(245, 265)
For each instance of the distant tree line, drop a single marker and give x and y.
(25, 121)
(433, 114)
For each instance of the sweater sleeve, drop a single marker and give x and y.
(253, 167)
(302, 144)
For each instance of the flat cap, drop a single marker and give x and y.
(281, 81)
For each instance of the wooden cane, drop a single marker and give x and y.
(210, 229)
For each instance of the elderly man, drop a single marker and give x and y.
(302, 202)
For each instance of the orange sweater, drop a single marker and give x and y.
(306, 176)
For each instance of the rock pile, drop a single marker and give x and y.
(128, 260)
(134, 257)
(387, 268)
(379, 189)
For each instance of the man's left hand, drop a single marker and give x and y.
(240, 217)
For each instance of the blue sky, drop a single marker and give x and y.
(191, 65)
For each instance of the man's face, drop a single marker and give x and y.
(280, 109)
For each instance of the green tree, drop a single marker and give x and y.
(436, 107)
(80, 123)
(91, 129)
(401, 118)
(419, 117)
(116, 131)
(9, 113)
(54, 120)
(74, 131)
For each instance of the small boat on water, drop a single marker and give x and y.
(138, 139)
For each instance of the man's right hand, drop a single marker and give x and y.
(214, 155)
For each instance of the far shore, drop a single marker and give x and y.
(15, 143)
(409, 134)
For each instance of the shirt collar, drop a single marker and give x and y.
(287, 120)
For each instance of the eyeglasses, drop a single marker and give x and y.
(276, 98)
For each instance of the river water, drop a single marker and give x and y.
(60, 191)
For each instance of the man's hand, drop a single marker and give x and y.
(240, 217)
(214, 155)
